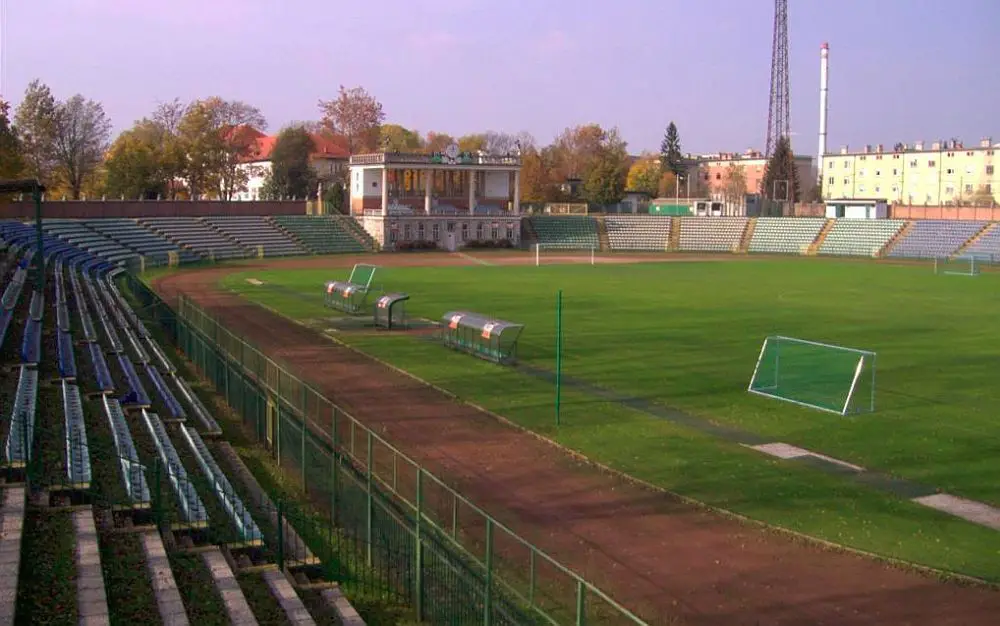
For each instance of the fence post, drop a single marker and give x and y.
(581, 609)
(488, 591)
(418, 574)
(369, 504)
(157, 495)
(302, 458)
(277, 416)
(281, 536)
(336, 465)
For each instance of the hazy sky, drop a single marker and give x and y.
(900, 70)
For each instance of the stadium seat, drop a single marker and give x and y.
(322, 234)
(711, 234)
(638, 232)
(566, 231)
(257, 232)
(785, 235)
(934, 238)
(859, 237)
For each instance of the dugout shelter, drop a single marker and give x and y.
(350, 296)
(481, 335)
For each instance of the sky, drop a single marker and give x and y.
(900, 70)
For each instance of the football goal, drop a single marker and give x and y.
(549, 253)
(965, 265)
(816, 375)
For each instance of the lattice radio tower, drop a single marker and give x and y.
(778, 112)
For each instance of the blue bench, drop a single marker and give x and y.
(21, 437)
(175, 408)
(31, 344)
(132, 471)
(67, 363)
(6, 315)
(136, 394)
(192, 508)
(208, 422)
(245, 525)
(101, 372)
(78, 470)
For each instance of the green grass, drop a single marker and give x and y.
(131, 599)
(686, 335)
(194, 582)
(46, 585)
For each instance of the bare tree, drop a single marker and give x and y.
(734, 188)
(355, 115)
(82, 135)
(35, 120)
(169, 115)
(498, 143)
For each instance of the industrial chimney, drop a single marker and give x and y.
(824, 66)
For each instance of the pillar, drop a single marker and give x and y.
(428, 188)
(517, 192)
(385, 191)
(472, 190)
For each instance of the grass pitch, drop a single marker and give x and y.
(686, 335)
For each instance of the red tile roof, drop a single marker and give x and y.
(326, 147)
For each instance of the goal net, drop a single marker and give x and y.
(966, 265)
(548, 254)
(816, 375)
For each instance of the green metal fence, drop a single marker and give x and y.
(442, 554)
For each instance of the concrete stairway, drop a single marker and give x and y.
(813, 248)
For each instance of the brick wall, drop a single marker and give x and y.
(95, 209)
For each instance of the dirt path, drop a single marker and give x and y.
(652, 553)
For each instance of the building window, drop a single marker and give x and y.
(847, 181)
(931, 163)
(847, 164)
(420, 231)
(718, 177)
(895, 189)
(861, 188)
(832, 164)
(949, 171)
(829, 181)
(862, 172)
(989, 169)
(510, 232)
(878, 172)
(878, 189)
(968, 189)
(895, 172)
(913, 163)
(436, 232)
(465, 231)
(968, 170)
(406, 232)
(479, 231)
(494, 232)
(988, 188)
(392, 236)
(949, 190)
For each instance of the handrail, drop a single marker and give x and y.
(187, 307)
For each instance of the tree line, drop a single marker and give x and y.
(201, 149)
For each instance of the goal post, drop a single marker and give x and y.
(816, 375)
(556, 253)
(964, 265)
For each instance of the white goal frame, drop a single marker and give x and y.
(941, 265)
(549, 246)
(865, 357)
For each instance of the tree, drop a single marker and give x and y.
(239, 126)
(667, 185)
(202, 146)
(357, 116)
(605, 182)
(503, 144)
(734, 189)
(781, 179)
(472, 143)
(81, 135)
(396, 138)
(35, 120)
(644, 175)
(292, 174)
(671, 159)
(11, 160)
(983, 197)
(133, 167)
(577, 148)
(437, 142)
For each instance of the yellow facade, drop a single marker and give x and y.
(946, 175)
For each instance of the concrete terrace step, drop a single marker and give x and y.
(91, 600)
(229, 588)
(289, 600)
(12, 522)
(168, 597)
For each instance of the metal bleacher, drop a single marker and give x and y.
(78, 470)
(245, 525)
(21, 436)
(197, 236)
(164, 393)
(859, 237)
(257, 233)
(320, 234)
(77, 233)
(638, 232)
(155, 248)
(928, 239)
(132, 475)
(711, 234)
(566, 231)
(785, 235)
(191, 507)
